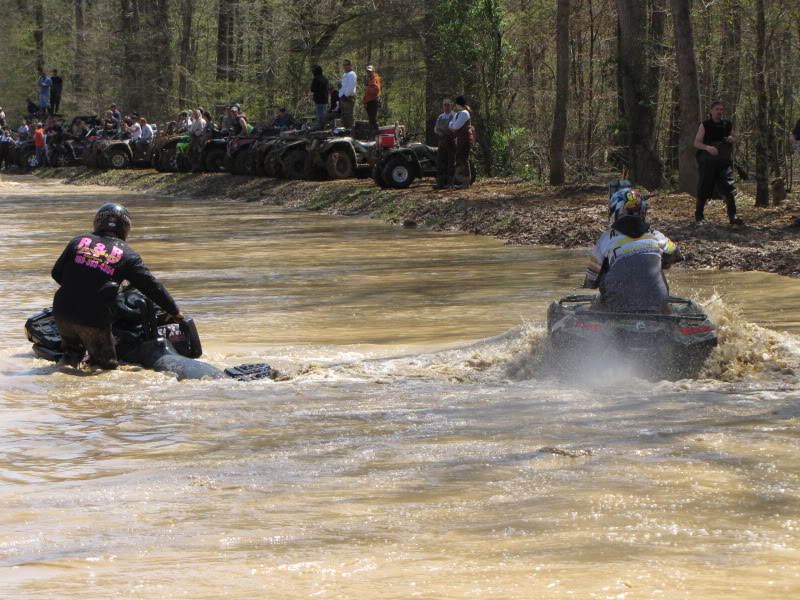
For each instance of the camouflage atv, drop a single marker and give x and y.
(337, 155)
(398, 166)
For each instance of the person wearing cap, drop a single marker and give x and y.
(347, 95)
(89, 273)
(239, 121)
(446, 155)
(283, 120)
(226, 124)
(372, 99)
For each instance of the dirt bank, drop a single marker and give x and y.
(511, 209)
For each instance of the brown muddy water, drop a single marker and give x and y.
(401, 455)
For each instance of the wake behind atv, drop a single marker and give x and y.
(672, 346)
(143, 337)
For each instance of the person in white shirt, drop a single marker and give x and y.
(142, 143)
(196, 131)
(135, 130)
(347, 95)
(460, 127)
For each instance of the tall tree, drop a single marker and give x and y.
(689, 94)
(762, 107)
(640, 83)
(79, 56)
(559, 131)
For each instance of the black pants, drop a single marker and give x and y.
(196, 153)
(55, 102)
(463, 146)
(445, 160)
(372, 114)
(76, 340)
(715, 175)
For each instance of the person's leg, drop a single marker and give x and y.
(347, 105)
(100, 345)
(451, 160)
(321, 110)
(727, 187)
(372, 115)
(705, 189)
(71, 344)
(442, 162)
(462, 163)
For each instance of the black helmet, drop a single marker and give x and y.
(113, 218)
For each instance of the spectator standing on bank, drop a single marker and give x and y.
(226, 124)
(55, 93)
(116, 113)
(196, 132)
(372, 99)
(40, 141)
(347, 94)
(319, 90)
(714, 142)
(24, 132)
(45, 84)
(795, 137)
(459, 127)
(446, 154)
(146, 137)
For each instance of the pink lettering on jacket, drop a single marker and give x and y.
(85, 242)
(116, 254)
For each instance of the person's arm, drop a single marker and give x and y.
(594, 268)
(698, 141)
(58, 269)
(140, 276)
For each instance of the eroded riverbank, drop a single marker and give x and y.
(511, 209)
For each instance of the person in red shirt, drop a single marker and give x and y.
(372, 99)
(40, 141)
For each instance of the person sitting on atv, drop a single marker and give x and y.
(627, 261)
(284, 120)
(89, 272)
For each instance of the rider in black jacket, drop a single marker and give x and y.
(89, 271)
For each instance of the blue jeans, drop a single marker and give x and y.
(321, 110)
(41, 154)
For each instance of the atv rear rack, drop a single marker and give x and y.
(604, 315)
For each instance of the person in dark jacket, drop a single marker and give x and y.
(714, 143)
(89, 271)
(319, 89)
(55, 92)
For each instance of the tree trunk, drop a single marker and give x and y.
(762, 108)
(38, 33)
(689, 95)
(79, 57)
(559, 131)
(160, 54)
(224, 39)
(640, 82)
(184, 69)
(433, 77)
(730, 88)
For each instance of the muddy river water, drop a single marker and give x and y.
(405, 451)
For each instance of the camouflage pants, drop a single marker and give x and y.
(76, 340)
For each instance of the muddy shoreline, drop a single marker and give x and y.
(510, 209)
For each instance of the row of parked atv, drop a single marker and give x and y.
(390, 158)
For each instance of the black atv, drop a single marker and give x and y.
(337, 155)
(145, 338)
(672, 345)
(399, 165)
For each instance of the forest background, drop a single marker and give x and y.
(561, 90)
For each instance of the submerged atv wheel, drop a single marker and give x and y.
(398, 174)
(215, 160)
(339, 165)
(293, 164)
(118, 159)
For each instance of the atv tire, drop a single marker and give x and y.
(398, 174)
(339, 165)
(118, 159)
(61, 159)
(241, 163)
(377, 176)
(215, 160)
(293, 164)
(29, 160)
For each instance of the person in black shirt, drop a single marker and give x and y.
(319, 90)
(714, 142)
(55, 92)
(89, 271)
